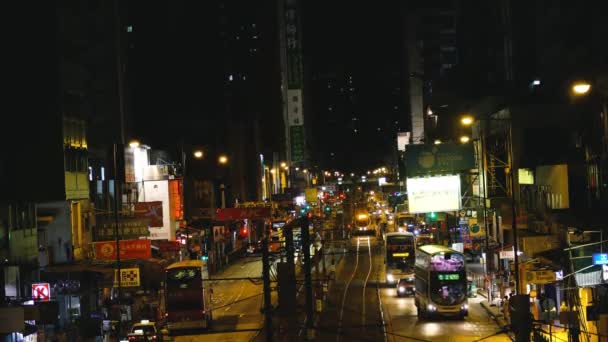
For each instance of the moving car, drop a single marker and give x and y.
(406, 287)
(144, 331)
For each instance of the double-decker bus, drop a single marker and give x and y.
(400, 256)
(187, 298)
(441, 282)
(405, 222)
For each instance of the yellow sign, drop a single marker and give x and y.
(129, 277)
(540, 277)
(310, 195)
(401, 254)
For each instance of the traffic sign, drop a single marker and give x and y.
(600, 258)
(41, 291)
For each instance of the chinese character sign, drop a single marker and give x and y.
(129, 249)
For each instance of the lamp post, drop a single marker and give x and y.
(223, 161)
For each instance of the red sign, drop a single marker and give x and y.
(152, 211)
(41, 291)
(167, 246)
(243, 213)
(129, 249)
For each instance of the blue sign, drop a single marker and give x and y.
(600, 258)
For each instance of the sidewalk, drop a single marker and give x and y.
(493, 310)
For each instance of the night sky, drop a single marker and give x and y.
(177, 73)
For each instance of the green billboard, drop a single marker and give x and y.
(438, 159)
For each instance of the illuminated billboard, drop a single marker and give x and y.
(433, 194)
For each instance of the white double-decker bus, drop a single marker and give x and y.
(441, 282)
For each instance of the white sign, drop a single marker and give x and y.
(294, 107)
(433, 194)
(159, 191)
(605, 272)
(507, 254)
(403, 139)
(458, 246)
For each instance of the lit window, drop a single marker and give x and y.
(230, 77)
(103, 173)
(90, 173)
(130, 28)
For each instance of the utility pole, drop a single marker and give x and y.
(307, 278)
(117, 234)
(266, 278)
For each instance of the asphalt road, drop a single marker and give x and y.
(237, 304)
(359, 306)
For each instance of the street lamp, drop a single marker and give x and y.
(581, 88)
(437, 142)
(464, 139)
(133, 143)
(198, 154)
(283, 164)
(467, 120)
(222, 159)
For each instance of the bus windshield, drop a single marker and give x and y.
(184, 289)
(400, 250)
(405, 221)
(448, 288)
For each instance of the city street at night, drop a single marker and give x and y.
(294, 170)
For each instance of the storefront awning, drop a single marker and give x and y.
(75, 268)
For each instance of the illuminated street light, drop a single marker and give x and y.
(273, 170)
(222, 159)
(466, 120)
(133, 143)
(305, 171)
(581, 88)
(464, 139)
(283, 164)
(198, 154)
(437, 141)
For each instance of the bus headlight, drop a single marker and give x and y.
(464, 307)
(431, 307)
(390, 278)
(401, 289)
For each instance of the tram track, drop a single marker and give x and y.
(354, 308)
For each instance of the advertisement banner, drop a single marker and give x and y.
(129, 249)
(129, 277)
(294, 107)
(153, 211)
(433, 194)
(310, 195)
(293, 45)
(167, 246)
(127, 228)
(540, 277)
(436, 159)
(243, 213)
(296, 138)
